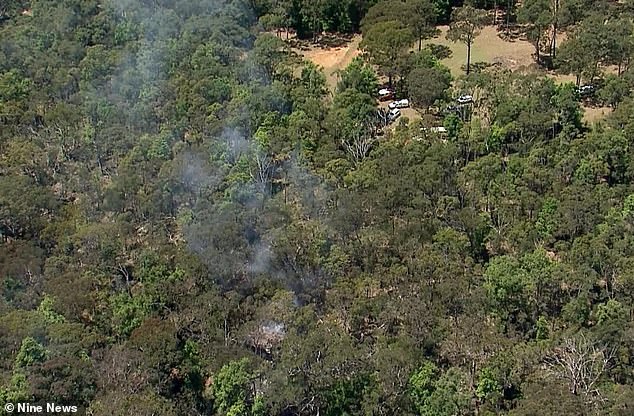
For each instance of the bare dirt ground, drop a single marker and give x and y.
(331, 56)
(411, 113)
(333, 53)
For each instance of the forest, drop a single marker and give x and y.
(192, 222)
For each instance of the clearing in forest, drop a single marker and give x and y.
(331, 56)
(335, 53)
(488, 47)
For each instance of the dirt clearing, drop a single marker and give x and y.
(331, 58)
(488, 47)
(335, 53)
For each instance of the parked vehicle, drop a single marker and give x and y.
(585, 90)
(404, 103)
(394, 114)
(385, 94)
(465, 99)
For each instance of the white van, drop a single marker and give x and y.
(404, 103)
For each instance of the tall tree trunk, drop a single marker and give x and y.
(537, 50)
(420, 43)
(468, 57)
(508, 15)
(553, 45)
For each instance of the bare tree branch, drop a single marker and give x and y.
(582, 363)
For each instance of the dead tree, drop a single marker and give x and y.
(581, 363)
(358, 146)
(262, 174)
(365, 135)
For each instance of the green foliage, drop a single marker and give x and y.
(547, 222)
(628, 206)
(614, 91)
(569, 112)
(313, 80)
(232, 390)
(507, 286)
(452, 123)
(97, 64)
(610, 311)
(488, 387)
(435, 393)
(30, 352)
(421, 16)
(46, 309)
(542, 330)
(13, 86)
(385, 44)
(585, 48)
(426, 85)
(358, 76)
(344, 396)
(18, 389)
(269, 52)
(422, 385)
(129, 311)
(357, 105)
(539, 15)
(145, 403)
(439, 52)
(131, 307)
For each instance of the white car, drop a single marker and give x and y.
(465, 99)
(439, 129)
(394, 114)
(585, 90)
(404, 103)
(385, 94)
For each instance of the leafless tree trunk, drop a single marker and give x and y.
(553, 44)
(264, 171)
(365, 136)
(581, 362)
(359, 145)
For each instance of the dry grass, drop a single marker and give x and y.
(491, 48)
(488, 47)
(334, 54)
(594, 114)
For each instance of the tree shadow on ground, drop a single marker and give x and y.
(323, 41)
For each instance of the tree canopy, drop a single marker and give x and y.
(196, 220)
